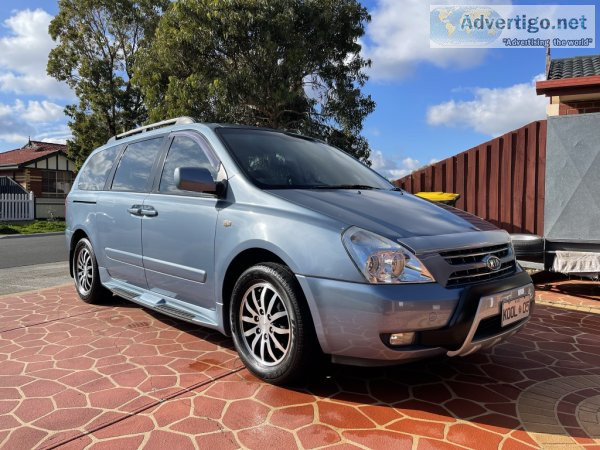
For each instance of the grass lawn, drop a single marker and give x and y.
(37, 226)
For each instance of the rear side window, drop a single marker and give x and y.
(135, 165)
(184, 152)
(94, 173)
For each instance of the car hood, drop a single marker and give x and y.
(394, 214)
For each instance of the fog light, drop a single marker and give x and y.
(402, 338)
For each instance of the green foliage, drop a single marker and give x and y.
(97, 45)
(287, 64)
(37, 226)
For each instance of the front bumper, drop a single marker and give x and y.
(354, 320)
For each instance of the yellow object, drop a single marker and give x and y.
(445, 197)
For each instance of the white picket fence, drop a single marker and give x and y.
(17, 207)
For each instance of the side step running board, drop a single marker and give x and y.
(127, 295)
(165, 305)
(176, 312)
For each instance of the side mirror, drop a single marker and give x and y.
(196, 179)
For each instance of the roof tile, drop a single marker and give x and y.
(579, 66)
(30, 152)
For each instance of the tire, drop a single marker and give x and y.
(528, 247)
(85, 274)
(259, 323)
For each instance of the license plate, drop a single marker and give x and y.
(515, 310)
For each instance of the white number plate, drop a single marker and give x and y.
(515, 310)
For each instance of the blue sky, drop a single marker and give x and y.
(431, 103)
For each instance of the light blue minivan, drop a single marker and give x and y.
(290, 246)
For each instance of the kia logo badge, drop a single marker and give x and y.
(492, 262)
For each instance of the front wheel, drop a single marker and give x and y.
(271, 325)
(85, 273)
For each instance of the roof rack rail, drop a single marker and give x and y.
(153, 126)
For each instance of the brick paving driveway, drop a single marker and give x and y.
(118, 376)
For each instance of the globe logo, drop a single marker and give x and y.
(460, 26)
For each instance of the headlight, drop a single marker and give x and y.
(382, 260)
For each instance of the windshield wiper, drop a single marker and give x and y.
(342, 186)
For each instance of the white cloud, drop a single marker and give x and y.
(392, 169)
(7, 136)
(33, 111)
(24, 54)
(58, 135)
(492, 111)
(43, 111)
(398, 38)
(12, 129)
(39, 84)
(38, 119)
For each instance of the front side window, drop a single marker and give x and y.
(276, 160)
(184, 152)
(56, 183)
(96, 170)
(136, 165)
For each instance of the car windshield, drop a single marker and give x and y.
(276, 160)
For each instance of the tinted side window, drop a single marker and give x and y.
(135, 165)
(184, 152)
(94, 172)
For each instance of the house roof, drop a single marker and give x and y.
(576, 67)
(31, 151)
(571, 76)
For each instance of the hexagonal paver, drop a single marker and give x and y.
(118, 376)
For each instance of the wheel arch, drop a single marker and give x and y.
(240, 262)
(244, 259)
(77, 235)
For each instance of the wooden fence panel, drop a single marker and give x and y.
(472, 175)
(438, 177)
(461, 180)
(450, 174)
(494, 182)
(502, 180)
(518, 180)
(482, 181)
(506, 163)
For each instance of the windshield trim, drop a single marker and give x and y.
(219, 131)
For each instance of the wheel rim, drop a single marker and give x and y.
(265, 324)
(84, 270)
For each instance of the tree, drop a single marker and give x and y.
(286, 64)
(98, 41)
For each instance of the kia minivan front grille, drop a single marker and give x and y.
(470, 264)
(474, 255)
(479, 274)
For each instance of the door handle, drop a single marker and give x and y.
(135, 210)
(148, 211)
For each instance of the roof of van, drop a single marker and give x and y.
(165, 125)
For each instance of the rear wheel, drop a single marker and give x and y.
(271, 326)
(85, 273)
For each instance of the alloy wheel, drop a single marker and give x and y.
(265, 324)
(84, 270)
